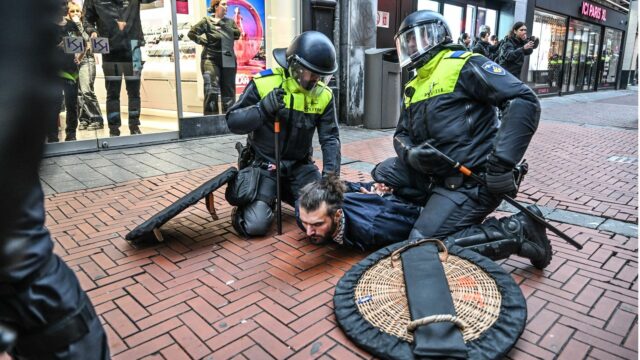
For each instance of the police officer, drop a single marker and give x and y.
(450, 105)
(298, 95)
(40, 297)
(370, 215)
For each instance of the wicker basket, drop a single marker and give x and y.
(381, 298)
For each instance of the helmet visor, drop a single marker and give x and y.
(418, 40)
(310, 82)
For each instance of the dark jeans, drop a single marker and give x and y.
(113, 73)
(71, 105)
(89, 106)
(445, 211)
(222, 81)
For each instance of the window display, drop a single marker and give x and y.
(610, 57)
(581, 57)
(545, 63)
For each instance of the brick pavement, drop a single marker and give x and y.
(205, 293)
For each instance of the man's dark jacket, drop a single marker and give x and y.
(485, 49)
(511, 54)
(101, 15)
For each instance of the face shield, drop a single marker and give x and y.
(310, 82)
(418, 40)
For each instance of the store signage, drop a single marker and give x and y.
(182, 6)
(594, 11)
(382, 20)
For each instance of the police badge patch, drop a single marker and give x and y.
(493, 68)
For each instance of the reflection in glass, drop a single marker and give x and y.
(581, 57)
(610, 57)
(427, 5)
(453, 16)
(545, 63)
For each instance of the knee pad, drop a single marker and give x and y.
(256, 218)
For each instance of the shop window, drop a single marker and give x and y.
(581, 58)
(610, 57)
(428, 5)
(470, 20)
(453, 16)
(264, 25)
(545, 63)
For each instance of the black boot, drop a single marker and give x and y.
(535, 244)
(211, 104)
(498, 239)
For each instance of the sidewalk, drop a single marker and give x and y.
(206, 293)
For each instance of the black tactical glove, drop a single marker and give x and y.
(500, 179)
(273, 102)
(423, 158)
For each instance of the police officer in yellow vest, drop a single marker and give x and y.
(450, 104)
(297, 94)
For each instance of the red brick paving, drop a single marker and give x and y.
(206, 293)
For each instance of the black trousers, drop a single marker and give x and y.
(218, 81)
(445, 211)
(256, 218)
(113, 73)
(71, 106)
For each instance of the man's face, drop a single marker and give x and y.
(522, 33)
(318, 224)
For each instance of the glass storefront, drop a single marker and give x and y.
(428, 5)
(265, 25)
(610, 57)
(545, 63)
(581, 57)
(463, 19)
(453, 14)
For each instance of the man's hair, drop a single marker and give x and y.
(515, 27)
(329, 190)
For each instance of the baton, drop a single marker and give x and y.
(466, 171)
(276, 135)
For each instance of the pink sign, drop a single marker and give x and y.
(594, 11)
(182, 6)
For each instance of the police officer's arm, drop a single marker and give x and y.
(484, 81)
(402, 139)
(197, 33)
(329, 137)
(246, 115)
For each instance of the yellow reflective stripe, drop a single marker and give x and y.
(442, 81)
(69, 76)
(301, 102)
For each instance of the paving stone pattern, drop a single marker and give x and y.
(206, 293)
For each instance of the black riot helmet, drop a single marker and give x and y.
(422, 34)
(310, 60)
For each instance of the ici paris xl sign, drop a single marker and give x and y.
(594, 11)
